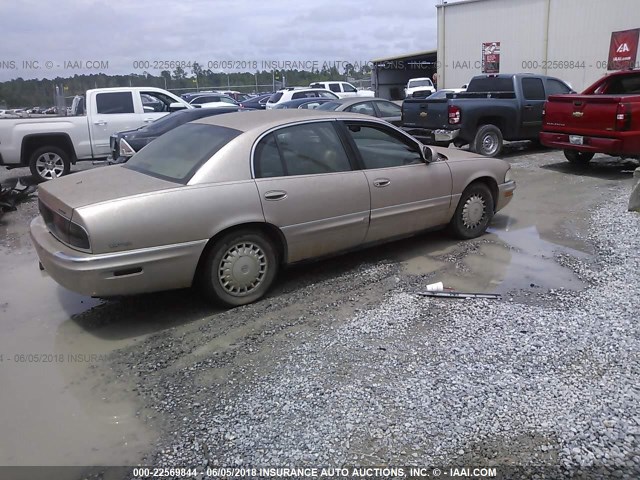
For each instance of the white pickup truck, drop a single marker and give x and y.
(48, 146)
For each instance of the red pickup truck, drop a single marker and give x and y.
(605, 118)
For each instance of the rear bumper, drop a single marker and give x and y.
(590, 144)
(118, 273)
(432, 136)
(505, 194)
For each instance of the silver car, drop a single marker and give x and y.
(223, 202)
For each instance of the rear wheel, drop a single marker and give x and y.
(578, 158)
(239, 268)
(47, 163)
(474, 212)
(488, 141)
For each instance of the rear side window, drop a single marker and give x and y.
(533, 89)
(178, 154)
(312, 148)
(297, 95)
(268, 162)
(629, 84)
(556, 87)
(334, 87)
(114, 102)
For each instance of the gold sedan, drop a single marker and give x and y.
(223, 202)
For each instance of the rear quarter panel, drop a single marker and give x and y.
(184, 214)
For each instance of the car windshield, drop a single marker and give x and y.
(419, 83)
(177, 155)
(329, 106)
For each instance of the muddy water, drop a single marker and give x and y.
(547, 216)
(55, 409)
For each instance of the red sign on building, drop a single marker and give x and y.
(491, 57)
(623, 49)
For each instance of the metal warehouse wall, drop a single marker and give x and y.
(531, 33)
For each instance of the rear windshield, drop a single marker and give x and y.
(275, 98)
(329, 106)
(177, 155)
(420, 83)
(491, 84)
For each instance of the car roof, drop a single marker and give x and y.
(265, 119)
(351, 100)
(299, 101)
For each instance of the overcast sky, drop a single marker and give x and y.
(122, 32)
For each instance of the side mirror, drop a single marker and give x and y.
(176, 106)
(428, 155)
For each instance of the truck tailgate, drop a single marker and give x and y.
(429, 114)
(581, 114)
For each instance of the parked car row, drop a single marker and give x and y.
(605, 118)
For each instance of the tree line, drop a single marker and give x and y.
(40, 92)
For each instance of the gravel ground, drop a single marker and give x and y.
(380, 376)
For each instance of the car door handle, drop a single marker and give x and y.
(100, 122)
(147, 120)
(381, 182)
(528, 107)
(275, 195)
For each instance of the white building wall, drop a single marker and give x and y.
(532, 35)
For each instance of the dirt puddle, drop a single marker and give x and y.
(56, 410)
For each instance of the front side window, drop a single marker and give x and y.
(114, 102)
(308, 149)
(383, 148)
(178, 154)
(348, 88)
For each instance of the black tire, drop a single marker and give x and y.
(468, 220)
(47, 163)
(578, 158)
(488, 141)
(255, 272)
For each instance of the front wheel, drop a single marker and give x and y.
(578, 158)
(488, 141)
(47, 163)
(239, 268)
(474, 212)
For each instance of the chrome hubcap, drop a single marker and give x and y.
(242, 269)
(50, 165)
(473, 212)
(489, 144)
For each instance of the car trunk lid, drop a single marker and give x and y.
(102, 184)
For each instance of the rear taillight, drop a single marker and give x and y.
(454, 115)
(623, 117)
